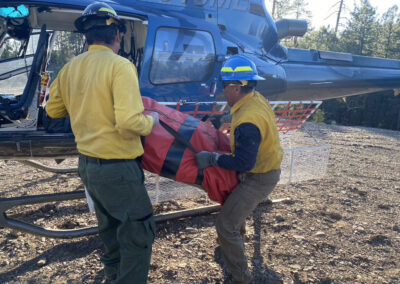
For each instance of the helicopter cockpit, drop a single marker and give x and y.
(35, 43)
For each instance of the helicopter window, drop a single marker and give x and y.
(13, 75)
(14, 69)
(65, 46)
(182, 55)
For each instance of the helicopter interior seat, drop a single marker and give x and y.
(7, 99)
(16, 107)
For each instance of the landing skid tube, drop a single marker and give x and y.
(8, 203)
(42, 167)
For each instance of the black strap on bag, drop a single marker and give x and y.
(172, 161)
(177, 136)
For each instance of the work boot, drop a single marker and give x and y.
(218, 257)
(108, 279)
(248, 279)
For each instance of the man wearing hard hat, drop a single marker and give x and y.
(99, 90)
(256, 155)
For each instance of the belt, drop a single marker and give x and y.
(100, 161)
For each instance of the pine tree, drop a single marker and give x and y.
(281, 9)
(323, 39)
(361, 33)
(300, 10)
(389, 34)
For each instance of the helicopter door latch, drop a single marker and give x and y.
(213, 89)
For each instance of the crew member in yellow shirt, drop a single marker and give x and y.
(256, 155)
(99, 91)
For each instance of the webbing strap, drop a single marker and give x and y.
(177, 136)
(175, 153)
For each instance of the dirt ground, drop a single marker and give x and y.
(343, 228)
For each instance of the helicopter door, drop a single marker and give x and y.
(15, 106)
(182, 66)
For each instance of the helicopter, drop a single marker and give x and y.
(178, 48)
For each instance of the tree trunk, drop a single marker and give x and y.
(338, 16)
(273, 9)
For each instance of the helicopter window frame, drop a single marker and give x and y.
(187, 49)
(15, 69)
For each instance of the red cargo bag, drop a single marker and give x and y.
(169, 151)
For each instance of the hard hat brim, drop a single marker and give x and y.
(232, 77)
(80, 23)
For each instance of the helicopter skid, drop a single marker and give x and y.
(43, 167)
(8, 203)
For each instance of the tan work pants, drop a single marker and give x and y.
(252, 189)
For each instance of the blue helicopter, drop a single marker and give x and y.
(178, 47)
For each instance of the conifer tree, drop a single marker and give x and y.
(281, 9)
(360, 35)
(389, 34)
(322, 39)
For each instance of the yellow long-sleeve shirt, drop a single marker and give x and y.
(99, 90)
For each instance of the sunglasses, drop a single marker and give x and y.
(231, 84)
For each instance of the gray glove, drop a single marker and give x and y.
(206, 159)
(154, 115)
(219, 119)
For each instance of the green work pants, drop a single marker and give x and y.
(252, 189)
(124, 214)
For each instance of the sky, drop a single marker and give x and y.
(321, 9)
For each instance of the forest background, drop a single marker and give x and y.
(362, 32)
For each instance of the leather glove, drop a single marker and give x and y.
(155, 117)
(206, 159)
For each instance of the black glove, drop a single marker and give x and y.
(219, 119)
(206, 159)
